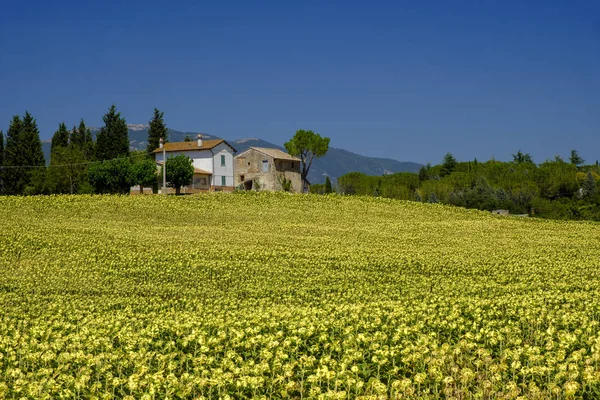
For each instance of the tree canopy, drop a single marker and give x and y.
(307, 145)
(112, 140)
(553, 189)
(575, 158)
(60, 137)
(156, 131)
(111, 176)
(180, 172)
(67, 172)
(81, 138)
(23, 157)
(519, 157)
(448, 165)
(143, 172)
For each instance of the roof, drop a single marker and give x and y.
(201, 171)
(193, 145)
(275, 153)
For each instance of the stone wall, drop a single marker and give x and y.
(249, 171)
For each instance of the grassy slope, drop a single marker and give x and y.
(291, 283)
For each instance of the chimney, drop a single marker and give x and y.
(199, 140)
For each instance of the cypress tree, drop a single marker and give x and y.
(328, 187)
(81, 139)
(589, 186)
(13, 158)
(157, 130)
(32, 143)
(113, 139)
(75, 138)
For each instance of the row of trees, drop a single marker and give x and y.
(553, 189)
(78, 163)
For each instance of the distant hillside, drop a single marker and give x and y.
(336, 163)
(138, 135)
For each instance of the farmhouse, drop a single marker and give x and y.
(263, 168)
(212, 160)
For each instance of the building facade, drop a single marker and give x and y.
(212, 161)
(260, 168)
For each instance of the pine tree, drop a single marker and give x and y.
(449, 165)
(157, 130)
(575, 158)
(76, 138)
(424, 172)
(113, 139)
(33, 156)
(30, 135)
(88, 141)
(23, 157)
(520, 157)
(60, 138)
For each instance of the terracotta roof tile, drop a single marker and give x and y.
(193, 145)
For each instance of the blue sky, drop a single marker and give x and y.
(405, 80)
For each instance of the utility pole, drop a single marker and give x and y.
(162, 146)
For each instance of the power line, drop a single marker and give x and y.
(72, 165)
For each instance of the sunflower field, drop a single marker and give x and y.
(258, 295)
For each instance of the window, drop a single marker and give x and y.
(265, 166)
(223, 179)
(292, 164)
(199, 181)
(222, 160)
(242, 178)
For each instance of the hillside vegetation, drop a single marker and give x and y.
(553, 189)
(293, 296)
